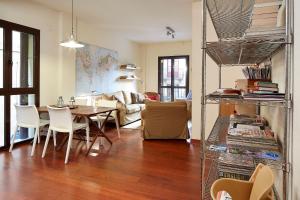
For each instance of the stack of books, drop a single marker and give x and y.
(235, 166)
(225, 93)
(252, 132)
(264, 91)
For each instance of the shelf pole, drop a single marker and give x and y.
(203, 99)
(287, 178)
(220, 84)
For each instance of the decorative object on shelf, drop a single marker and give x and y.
(129, 77)
(72, 42)
(129, 67)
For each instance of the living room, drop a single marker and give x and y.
(144, 61)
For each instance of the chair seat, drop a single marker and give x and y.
(44, 122)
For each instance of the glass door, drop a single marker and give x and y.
(19, 77)
(173, 77)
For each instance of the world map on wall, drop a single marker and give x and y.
(96, 70)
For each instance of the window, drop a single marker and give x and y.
(173, 77)
(19, 76)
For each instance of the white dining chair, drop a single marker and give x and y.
(28, 117)
(61, 121)
(113, 116)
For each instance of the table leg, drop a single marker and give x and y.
(99, 133)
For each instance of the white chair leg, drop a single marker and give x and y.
(118, 126)
(39, 137)
(36, 135)
(69, 147)
(54, 138)
(13, 139)
(46, 143)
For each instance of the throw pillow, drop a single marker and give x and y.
(135, 98)
(141, 98)
(119, 96)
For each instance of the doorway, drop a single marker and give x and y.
(19, 77)
(173, 77)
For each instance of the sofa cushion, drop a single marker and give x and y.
(127, 97)
(142, 106)
(119, 96)
(132, 108)
(137, 98)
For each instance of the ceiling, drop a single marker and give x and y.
(140, 20)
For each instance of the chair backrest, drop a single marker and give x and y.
(263, 180)
(60, 119)
(27, 116)
(164, 120)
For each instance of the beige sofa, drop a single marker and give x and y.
(166, 120)
(129, 105)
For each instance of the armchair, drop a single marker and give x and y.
(165, 120)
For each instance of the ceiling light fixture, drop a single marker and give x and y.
(72, 42)
(170, 32)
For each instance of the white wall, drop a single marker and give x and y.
(57, 64)
(36, 16)
(129, 52)
(149, 59)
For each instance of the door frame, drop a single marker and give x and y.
(7, 89)
(172, 87)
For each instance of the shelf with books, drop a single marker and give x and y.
(266, 151)
(255, 101)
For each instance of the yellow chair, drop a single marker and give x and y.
(259, 187)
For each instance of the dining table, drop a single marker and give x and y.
(86, 112)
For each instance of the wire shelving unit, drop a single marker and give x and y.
(238, 44)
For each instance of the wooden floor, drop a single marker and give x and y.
(130, 169)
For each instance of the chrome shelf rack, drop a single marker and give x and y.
(241, 44)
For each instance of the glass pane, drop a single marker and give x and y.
(1, 57)
(180, 72)
(179, 93)
(22, 56)
(166, 94)
(1, 121)
(23, 133)
(166, 72)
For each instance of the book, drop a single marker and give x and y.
(265, 84)
(260, 88)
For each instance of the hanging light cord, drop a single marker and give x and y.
(72, 18)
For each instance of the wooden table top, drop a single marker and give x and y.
(83, 110)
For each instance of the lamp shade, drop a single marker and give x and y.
(71, 43)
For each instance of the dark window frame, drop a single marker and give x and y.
(7, 91)
(172, 87)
